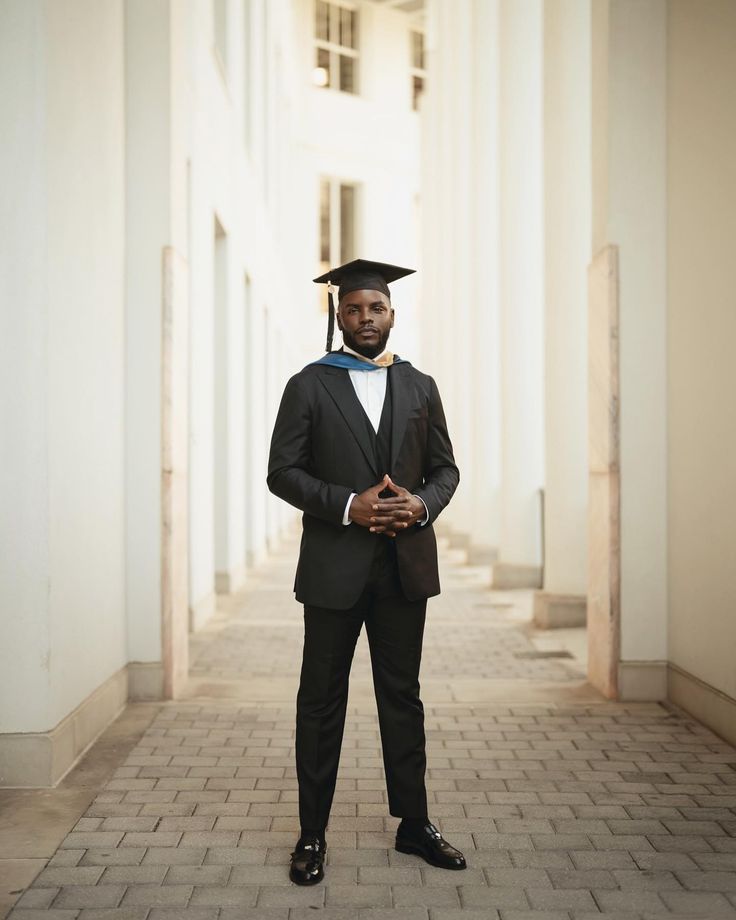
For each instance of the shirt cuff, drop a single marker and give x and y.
(425, 519)
(346, 515)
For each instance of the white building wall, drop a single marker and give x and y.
(24, 470)
(63, 478)
(701, 200)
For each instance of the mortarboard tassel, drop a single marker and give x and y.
(330, 318)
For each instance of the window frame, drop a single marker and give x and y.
(417, 72)
(334, 49)
(335, 217)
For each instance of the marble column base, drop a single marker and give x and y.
(508, 575)
(557, 611)
(231, 581)
(642, 680)
(481, 555)
(202, 611)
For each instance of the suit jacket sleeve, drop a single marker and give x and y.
(289, 460)
(441, 475)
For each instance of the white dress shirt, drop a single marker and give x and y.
(370, 388)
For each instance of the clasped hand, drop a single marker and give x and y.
(386, 515)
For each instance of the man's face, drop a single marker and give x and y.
(365, 319)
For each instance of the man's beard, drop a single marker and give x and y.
(368, 351)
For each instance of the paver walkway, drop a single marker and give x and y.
(565, 806)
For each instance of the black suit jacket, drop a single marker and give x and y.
(321, 452)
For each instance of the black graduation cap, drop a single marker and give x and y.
(358, 275)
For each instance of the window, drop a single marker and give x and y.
(418, 68)
(337, 220)
(336, 46)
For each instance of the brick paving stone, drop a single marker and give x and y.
(50, 914)
(358, 895)
(114, 913)
(582, 878)
(541, 859)
(37, 898)
(646, 879)
(634, 901)
(492, 898)
(187, 913)
(197, 875)
(389, 875)
(131, 856)
(467, 913)
(670, 861)
(255, 913)
(224, 896)
(174, 856)
(695, 903)
(547, 915)
(559, 899)
(66, 858)
(89, 896)
(410, 896)
(708, 881)
(292, 896)
(133, 875)
(519, 878)
(83, 841)
(73, 875)
(154, 839)
(157, 896)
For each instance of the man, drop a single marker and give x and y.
(360, 445)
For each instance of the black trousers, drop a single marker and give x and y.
(395, 629)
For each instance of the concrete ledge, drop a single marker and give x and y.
(642, 680)
(201, 612)
(505, 575)
(35, 759)
(145, 681)
(232, 581)
(458, 539)
(558, 611)
(481, 555)
(712, 707)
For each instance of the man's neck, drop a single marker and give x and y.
(350, 351)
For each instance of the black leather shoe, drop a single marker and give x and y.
(307, 861)
(431, 846)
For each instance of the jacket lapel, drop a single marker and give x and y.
(340, 388)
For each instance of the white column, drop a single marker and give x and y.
(567, 220)
(229, 372)
(521, 273)
(459, 300)
(630, 211)
(257, 434)
(483, 308)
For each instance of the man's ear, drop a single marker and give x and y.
(339, 321)
(393, 317)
